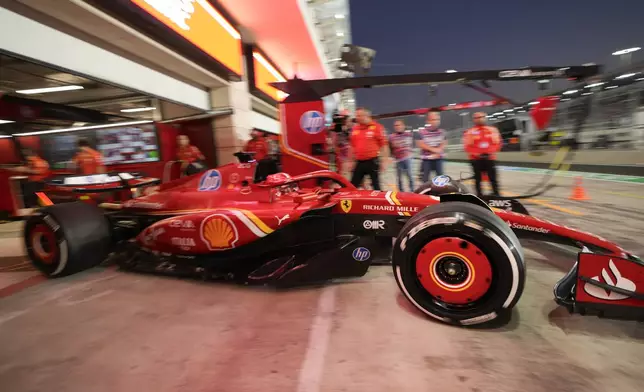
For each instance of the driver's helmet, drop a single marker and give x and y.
(277, 178)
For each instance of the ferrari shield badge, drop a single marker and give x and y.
(346, 205)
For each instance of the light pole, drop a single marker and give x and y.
(625, 55)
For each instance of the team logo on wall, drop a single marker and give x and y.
(312, 122)
(210, 181)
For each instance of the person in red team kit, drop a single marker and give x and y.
(257, 144)
(367, 142)
(192, 158)
(87, 160)
(481, 143)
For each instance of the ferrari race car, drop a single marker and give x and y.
(454, 257)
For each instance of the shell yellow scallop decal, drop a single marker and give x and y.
(218, 232)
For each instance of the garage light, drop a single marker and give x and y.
(639, 79)
(626, 51)
(61, 130)
(339, 16)
(596, 84)
(5, 121)
(451, 71)
(452, 104)
(610, 87)
(507, 111)
(340, 34)
(49, 90)
(626, 76)
(533, 103)
(569, 92)
(134, 110)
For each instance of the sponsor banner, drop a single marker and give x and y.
(372, 208)
(374, 224)
(528, 228)
(210, 181)
(361, 254)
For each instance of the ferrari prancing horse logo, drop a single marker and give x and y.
(346, 205)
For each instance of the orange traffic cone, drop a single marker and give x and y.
(578, 191)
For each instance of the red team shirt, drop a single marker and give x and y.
(259, 147)
(367, 140)
(481, 139)
(89, 161)
(189, 154)
(40, 168)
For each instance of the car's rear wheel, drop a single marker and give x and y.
(459, 263)
(64, 239)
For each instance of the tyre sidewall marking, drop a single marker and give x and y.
(63, 249)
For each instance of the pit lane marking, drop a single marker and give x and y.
(624, 194)
(546, 204)
(310, 377)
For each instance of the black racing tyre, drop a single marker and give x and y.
(459, 263)
(67, 238)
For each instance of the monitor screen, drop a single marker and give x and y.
(59, 148)
(128, 145)
(117, 145)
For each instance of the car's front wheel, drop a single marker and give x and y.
(459, 263)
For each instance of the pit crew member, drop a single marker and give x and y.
(87, 160)
(367, 142)
(193, 161)
(481, 143)
(36, 170)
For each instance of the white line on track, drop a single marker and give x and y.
(312, 368)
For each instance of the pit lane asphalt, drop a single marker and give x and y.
(105, 330)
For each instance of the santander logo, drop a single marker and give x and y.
(620, 282)
(178, 11)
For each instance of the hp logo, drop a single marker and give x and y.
(312, 122)
(441, 180)
(361, 254)
(210, 181)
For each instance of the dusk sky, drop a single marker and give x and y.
(416, 36)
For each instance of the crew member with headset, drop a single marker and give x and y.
(36, 170)
(367, 142)
(193, 161)
(87, 160)
(481, 143)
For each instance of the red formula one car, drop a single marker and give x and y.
(454, 258)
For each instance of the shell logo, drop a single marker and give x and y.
(218, 232)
